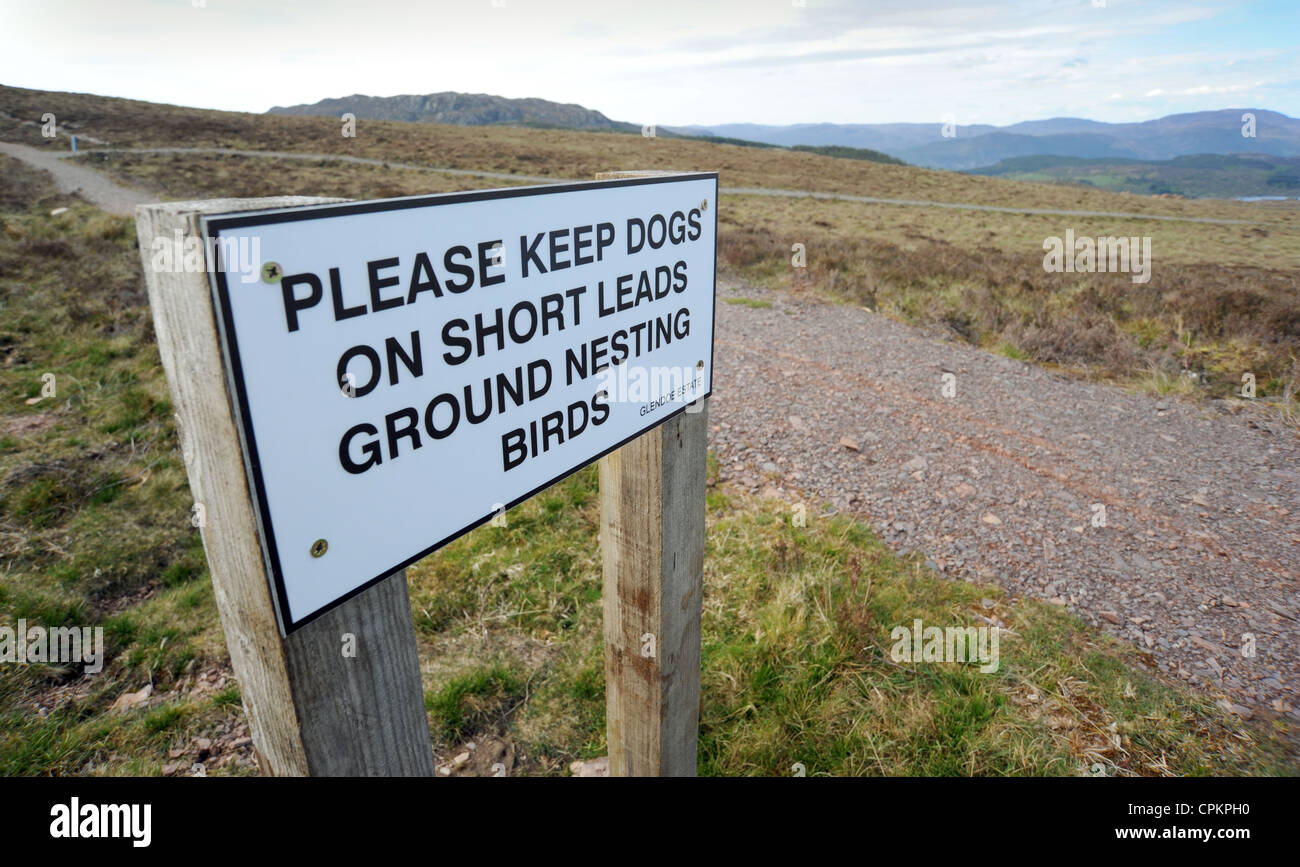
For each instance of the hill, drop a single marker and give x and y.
(849, 153)
(1198, 176)
(465, 109)
(890, 138)
(485, 109)
(480, 109)
(1214, 132)
(967, 153)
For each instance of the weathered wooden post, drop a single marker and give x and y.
(652, 549)
(312, 709)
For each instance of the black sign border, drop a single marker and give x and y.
(213, 225)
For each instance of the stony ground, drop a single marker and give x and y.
(1169, 524)
(72, 178)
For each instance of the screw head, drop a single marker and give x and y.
(272, 272)
(319, 547)
(704, 205)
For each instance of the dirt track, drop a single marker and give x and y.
(72, 178)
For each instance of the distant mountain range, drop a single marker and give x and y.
(975, 146)
(481, 109)
(1203, 175)
(465, 109)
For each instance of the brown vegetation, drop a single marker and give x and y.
(1238, 319)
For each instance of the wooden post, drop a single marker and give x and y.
(312, 710)
(652, 548)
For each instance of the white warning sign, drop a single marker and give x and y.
(406, 369)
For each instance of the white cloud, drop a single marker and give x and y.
(671, 61)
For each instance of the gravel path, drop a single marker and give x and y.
(1200, 547)
(72, 178)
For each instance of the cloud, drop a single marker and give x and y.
(1206, 89)
(672, 61)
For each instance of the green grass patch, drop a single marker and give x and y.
(752, 303)
(1008, 349)
(471, 702)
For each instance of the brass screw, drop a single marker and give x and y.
(272, 272)
(704, 205)
(319, 547)
(699, 365)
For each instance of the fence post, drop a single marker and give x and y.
(652, 550)
(313, 709)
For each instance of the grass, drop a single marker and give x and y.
(94, 507)
(469, 702)
(751, 303)
(1009, 350)
(95, 530)
(197, 176)
(800, 670)
(797, 633)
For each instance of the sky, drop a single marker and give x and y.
(677, 62)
